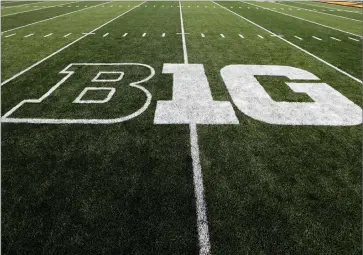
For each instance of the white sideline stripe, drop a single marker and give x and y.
(163, 35)
(143, 35)
(28, 35)
(324, 13)
(329, 8)
(50, 18)
(316, 23)
(294, 45)
(240, 35)
(65, 47)
(34, 9)
(222, 35)
(48, 35)
(298, 37)
(105, 35)
(354, 39)
(9, 35)
(317, 38)
(124, 34)
(203, 35)
(5, 7)
(201, 208)
(67, 35)
(260, 36)
(336, 39)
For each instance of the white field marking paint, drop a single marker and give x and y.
(5, 117)
(163, 35)
(276, 35)
(34, 9)
(143, 35)
(67, 35)
(125, 34)
(316, 38)
(329, 8)
(48, 35)
(26, 5)
(294, 45)
(222, 35)
(30, 24)
(260, 36)
(240, 35)
(201, 207)
(65, 47)
(79, 100)
(90, 33)
(329, 107)
(354, 39)
(203, 35)
(97, 77)
(336, 39)
(313, 22)
(9, 35)
(28, 35)
(105, 35)
(298, 37)
(325, 13)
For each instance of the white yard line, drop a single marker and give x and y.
(317, 38)
(240, 35)
(35, 9)
(9, 35)
(51, 18)
(163, 35)
(329, 8)
(356, 20)
(294, 45)
(354, 39)
(202, 35)
(65, 47)
(313, 22)
(67, 35)
(28, 35)
(201, 208)
(124, 35)
(105, 35)
(260, 36)
(48, 35)
(222, 35)
(298, 37)
(13, 6)
(143, 35)
(336, 39)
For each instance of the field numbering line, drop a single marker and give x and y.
(294, 45)
(65, 47)
(201, 208)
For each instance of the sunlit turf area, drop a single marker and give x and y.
(193, 127)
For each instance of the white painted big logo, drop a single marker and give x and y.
(192, 100)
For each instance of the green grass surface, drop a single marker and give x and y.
(127, 188)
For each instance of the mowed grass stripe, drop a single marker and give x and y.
(131, 187)
(346, 58)
(344, 26)
(349, 14)
(11, 23)
(19, 53)
(263, 180)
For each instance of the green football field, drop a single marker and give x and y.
(193, 127)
